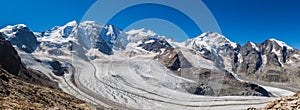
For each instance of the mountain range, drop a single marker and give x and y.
(134, 62)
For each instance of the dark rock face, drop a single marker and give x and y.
(155, 45)
(204, 90)
(246, 90)
(11, 62)
(174, 60)
(252, 60)
(9, 58)
(3, 83)
(58, 69)
(258, 89)
(24, 39)
(57, 52)
(103, 47)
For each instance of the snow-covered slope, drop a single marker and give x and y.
(61, 34)
(11, 31)
(211, 41)
(215, 47)
(141, 34)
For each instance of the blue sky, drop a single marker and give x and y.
(239, 20)
(257, 20)
(41, 15)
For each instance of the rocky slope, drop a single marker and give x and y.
(9, 57)
(269, 62)
(22, 88)
(18, 94)
(225, 84)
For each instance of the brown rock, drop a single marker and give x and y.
(285, 103)
(269, 105)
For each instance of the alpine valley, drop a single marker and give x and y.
(92, 66)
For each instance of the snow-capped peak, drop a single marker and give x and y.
(20, 25)
(17, 26)
(281, 43)
(69, 28)
(142, 31)
(88, 22)
(60, 34)
(11, 30)
(210, 40)
(72, 23)
(141, 34)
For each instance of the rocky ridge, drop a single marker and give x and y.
(269, 62)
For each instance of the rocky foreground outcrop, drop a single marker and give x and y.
(17, 94)
(284, 103)
(22, 88)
